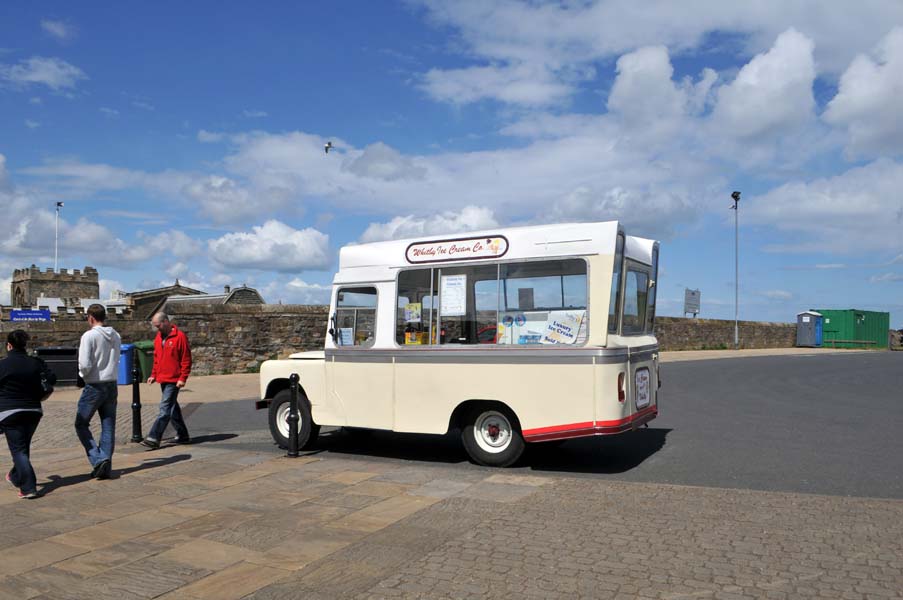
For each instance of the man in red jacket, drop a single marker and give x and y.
(172, 364)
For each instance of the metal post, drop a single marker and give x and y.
(293, 416)
(56, 238)
(736, 207)
(136, 398)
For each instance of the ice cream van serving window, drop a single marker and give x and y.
(355, 316)
(519, 303)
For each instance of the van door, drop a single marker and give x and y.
(360, 379)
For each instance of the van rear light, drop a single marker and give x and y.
(622, 395)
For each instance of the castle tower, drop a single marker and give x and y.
(31, 283)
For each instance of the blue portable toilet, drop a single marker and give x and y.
(809, 327)
(126, 360)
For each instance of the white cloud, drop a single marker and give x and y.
(178, 269)
(273, 246)
(254, 114)
(470, 218)
(857, 211)
(143, 105)
(298, 291)
(643, 89)
(36, 100)
(645, 210)
(108, 287)
(32, 124)
(58, 29)
(521, 84)
(772, 94)
(777, 295)
(209, 137)
(227, 201)
(379, 161)
(73, 178)
(55, 73)
(109, 112)
(518, 43)
(868, 102)
(886, 278)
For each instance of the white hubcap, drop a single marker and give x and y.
(492, 432)
(282, 419)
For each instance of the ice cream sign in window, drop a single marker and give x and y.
(458, 249)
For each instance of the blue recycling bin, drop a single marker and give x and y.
(126, 361)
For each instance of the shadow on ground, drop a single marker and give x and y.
(602, 454)
(56, 482)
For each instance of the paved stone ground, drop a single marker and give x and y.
(215, 520)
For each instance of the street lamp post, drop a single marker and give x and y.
(736, 208)
(56, 238)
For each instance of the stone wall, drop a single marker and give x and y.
(235, 338)
(229, 338)
(677, 333)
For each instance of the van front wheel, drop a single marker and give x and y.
(492, 437)
(279, 411)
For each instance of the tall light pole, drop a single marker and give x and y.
(56, 238)
(736, 209)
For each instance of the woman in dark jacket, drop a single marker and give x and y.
(20, 409)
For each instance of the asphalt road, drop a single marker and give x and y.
(826, 424)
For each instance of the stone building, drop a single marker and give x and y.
(239, 295)
(144, 303)
(31, 283)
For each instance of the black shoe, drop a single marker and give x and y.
(184, 440)
(152, 444)
(100, 468)
(106, 470)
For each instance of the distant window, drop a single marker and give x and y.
(615, 297)
(636, 288)
(653, 287)
(356, 316)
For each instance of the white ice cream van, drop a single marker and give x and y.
(512, 336)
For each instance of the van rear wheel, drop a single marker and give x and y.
(279, 411)
(492, 437)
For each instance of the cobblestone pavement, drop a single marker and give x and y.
(217, 520)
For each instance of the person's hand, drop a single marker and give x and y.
(150, 380)
(180, 384)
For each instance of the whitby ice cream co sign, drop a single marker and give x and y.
(457, 249)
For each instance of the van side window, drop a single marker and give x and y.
(356, 316)
(533, 302)
(543, 302)
(416, 317)
(636, 288)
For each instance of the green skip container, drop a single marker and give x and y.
(853, 328)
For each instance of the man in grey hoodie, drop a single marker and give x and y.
(98, 365)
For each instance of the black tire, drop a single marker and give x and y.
(307, 429)
(492, 437)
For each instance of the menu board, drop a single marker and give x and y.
(453, 299)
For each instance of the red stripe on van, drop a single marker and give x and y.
(559, 432)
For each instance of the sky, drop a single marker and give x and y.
(186, 140)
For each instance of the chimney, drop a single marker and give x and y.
(227, 289)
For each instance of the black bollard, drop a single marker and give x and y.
(293, 416)
(136, 398)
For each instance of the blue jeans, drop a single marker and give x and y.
(97, 398)
(169, 411)
(19, 429)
